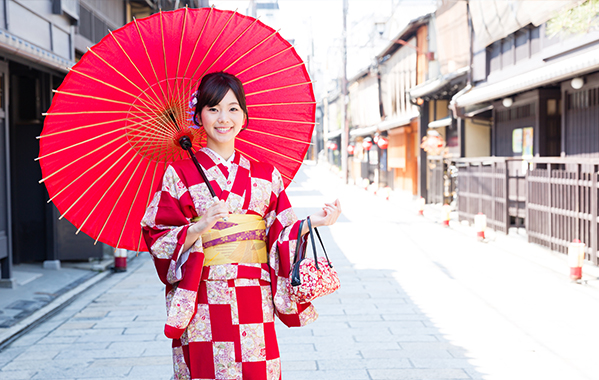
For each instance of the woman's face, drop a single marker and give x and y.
(223, 121)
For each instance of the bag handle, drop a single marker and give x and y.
(295, 276)
(311, 237)
(297, 258)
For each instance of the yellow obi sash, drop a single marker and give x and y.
(241, 239)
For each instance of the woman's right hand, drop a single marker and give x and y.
(213, 214)
(216, 211)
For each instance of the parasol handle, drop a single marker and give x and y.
(185, 143)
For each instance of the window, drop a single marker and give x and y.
(522, 50)
(535, 40)
(495, 57)
(507, 51)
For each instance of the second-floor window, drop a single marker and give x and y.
(513, 49)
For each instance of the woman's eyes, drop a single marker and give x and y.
(213, 109)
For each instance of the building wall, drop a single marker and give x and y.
(398, 74)
(478, 140)
(422, 42)
(333, 115)
(364, 102)
(581, 118)
(34, 22)
(402, 158)
(112, 11)
(453, 37)
(438, 109)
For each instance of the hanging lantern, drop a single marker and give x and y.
(383, 143)
(376, 139)
(333, 146)
(367, 144)
(350, 149)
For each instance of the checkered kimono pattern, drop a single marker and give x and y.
(221, 317)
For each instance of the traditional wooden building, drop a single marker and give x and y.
(539, 91)
(448, 75)
(364, 112)
(387, 148)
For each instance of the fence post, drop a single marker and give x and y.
(577, 190)
(506, 195)
(493, 192)
(593, 242)
(527, 196)
(549, 203)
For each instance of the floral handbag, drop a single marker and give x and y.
(311, 277)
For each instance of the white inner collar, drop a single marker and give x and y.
(221, 160)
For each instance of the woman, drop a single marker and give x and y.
(225, 274)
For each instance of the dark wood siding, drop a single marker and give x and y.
(581, 118)
(508, 119)
(538, 109)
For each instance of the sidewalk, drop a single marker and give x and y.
(40, 291)
(417, 301)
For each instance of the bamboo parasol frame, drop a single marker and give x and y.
(115, 123)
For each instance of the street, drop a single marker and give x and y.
(417, 301)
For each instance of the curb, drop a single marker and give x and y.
(103, 270)
(31, 321)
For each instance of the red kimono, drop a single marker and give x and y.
(221, 317)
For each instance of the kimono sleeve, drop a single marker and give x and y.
(282, 228)
(164, 227)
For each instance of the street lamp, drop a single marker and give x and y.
(380, 27)
(577, 83)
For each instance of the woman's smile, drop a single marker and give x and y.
(223, 130)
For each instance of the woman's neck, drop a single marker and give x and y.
(223, 150)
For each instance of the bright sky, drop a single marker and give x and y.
(317, 25)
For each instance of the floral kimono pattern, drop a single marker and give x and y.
(221, 317)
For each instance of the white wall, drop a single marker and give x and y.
(478, 139)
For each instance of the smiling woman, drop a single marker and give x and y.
(226, 279)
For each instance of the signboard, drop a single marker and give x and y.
(517, 140)
(527, 142)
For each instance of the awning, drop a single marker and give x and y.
(397, 122)
(445, 122)
(333, 134)
(15, 45)
(384, 125)
(547, 74)
(360, 132)
(434, 85)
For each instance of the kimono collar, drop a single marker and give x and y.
(220, 159)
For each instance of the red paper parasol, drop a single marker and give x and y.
(115, 122)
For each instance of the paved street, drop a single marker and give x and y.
(418, 301)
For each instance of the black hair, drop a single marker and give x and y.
(212, 90)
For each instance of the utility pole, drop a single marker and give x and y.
(344, 119)
(252, 9)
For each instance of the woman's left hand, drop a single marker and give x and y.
(328, 216)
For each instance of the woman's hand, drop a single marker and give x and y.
(213, 214)
(327, 217)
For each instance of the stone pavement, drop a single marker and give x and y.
(417, 301)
